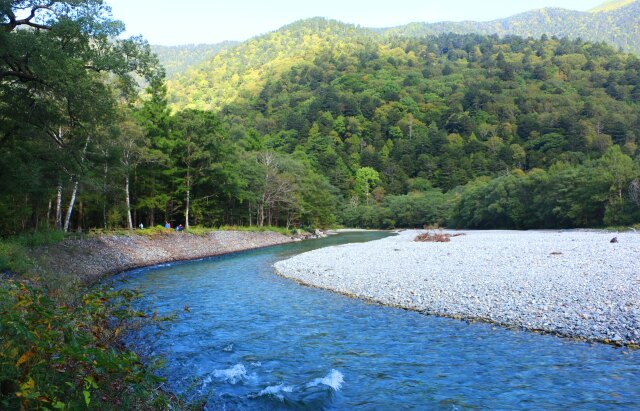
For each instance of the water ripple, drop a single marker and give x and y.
(255, 341)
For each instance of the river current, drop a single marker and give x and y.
(247, 339)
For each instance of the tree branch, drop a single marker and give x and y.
(20, 75)
(13, 23)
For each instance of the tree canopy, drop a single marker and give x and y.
(316, 124)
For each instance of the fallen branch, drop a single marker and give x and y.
(436, 237)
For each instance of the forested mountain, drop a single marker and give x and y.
(242, 70)
(319, 123)
(437, 112)
(616, 23)
(177, 59)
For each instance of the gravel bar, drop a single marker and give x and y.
(571, 283)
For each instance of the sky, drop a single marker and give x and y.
(167, 22)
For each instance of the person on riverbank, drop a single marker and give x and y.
(179, 228)
(167, 226)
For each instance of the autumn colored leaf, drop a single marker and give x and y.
(25, 357)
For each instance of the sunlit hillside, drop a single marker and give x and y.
(176, 59)
(618, 25)
(241, 72)
(616, 22)
(612, 5)
(434, 112)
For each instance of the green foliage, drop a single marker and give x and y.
(612, 22)
(177, 59)
(245, 70)
(414, 210)
(63, 357)
(299, 135)
(197, 151)
(63, 72)
(16, 251)
(366, 180)
(39, 238)
(14, 257)
(586, 195)
(448, 110)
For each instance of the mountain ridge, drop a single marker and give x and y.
(177, 59)
(611, 5)
(431, 113)
(617, 27)
(615, 22)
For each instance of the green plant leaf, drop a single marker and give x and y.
(92, 382)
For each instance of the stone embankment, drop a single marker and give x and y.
(94, 258)
(571, 283)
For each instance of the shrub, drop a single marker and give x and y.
(65, 357)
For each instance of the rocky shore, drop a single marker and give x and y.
(573, 283)
(94, 258)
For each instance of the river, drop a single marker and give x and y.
(247, 339)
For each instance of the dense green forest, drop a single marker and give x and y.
(177, 59)
(316, 124)
(512, 124)
(68, 114)
(615, 23)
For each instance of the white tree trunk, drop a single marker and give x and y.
(104, 195)
(127, 199)
(59, 208)
(188, 184)
(49, 214)
(260, 216)
(186, 213)
(67, 218)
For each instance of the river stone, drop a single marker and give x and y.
(591, 291)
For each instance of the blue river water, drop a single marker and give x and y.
(247, 339)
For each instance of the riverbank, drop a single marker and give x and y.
(94, 258)
(46, 293)
(576, 283)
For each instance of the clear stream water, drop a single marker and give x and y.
(255, 341)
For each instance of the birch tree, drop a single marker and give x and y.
(277, 191)
(133, 151)
(634, 191)
(197, 154)
(366, 180)
(59, 61)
